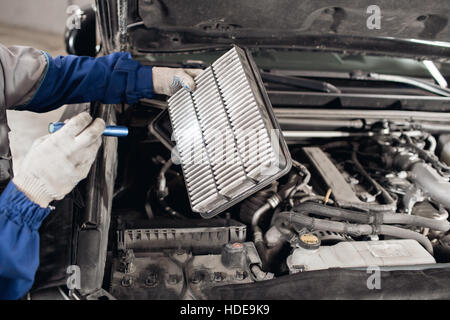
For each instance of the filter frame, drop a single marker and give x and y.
(264, 106)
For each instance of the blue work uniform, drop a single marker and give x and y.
(32, 80)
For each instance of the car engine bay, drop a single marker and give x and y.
(360, 190)
(372, 198)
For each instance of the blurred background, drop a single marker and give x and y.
(39, 24)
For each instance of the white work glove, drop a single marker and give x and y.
(58, 161)
(169, 80)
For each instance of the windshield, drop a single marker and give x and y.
(271, 59)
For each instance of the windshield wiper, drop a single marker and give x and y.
(302, 83)
(370, 76)
(430, 87)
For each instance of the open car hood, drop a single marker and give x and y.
(400, 28)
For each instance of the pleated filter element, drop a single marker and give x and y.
(228, 141)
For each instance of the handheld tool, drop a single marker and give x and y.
(110, 131)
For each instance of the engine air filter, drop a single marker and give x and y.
(228, 140)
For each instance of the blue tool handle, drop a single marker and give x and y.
(110, 131)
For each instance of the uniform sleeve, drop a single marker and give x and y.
(32, 80)
(111, 79)
(20, 219)
(21, 71)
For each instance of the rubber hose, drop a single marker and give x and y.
(348, 228)
(374, 218)
(282, 194)
(433, 184)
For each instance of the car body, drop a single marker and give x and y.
(373, 54)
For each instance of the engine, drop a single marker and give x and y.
(379, 199)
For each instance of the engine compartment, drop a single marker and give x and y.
(374, 199)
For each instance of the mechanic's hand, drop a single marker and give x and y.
(57, 162)
(169, 80)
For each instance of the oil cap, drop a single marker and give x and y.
(309, 241)
(234, 255)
